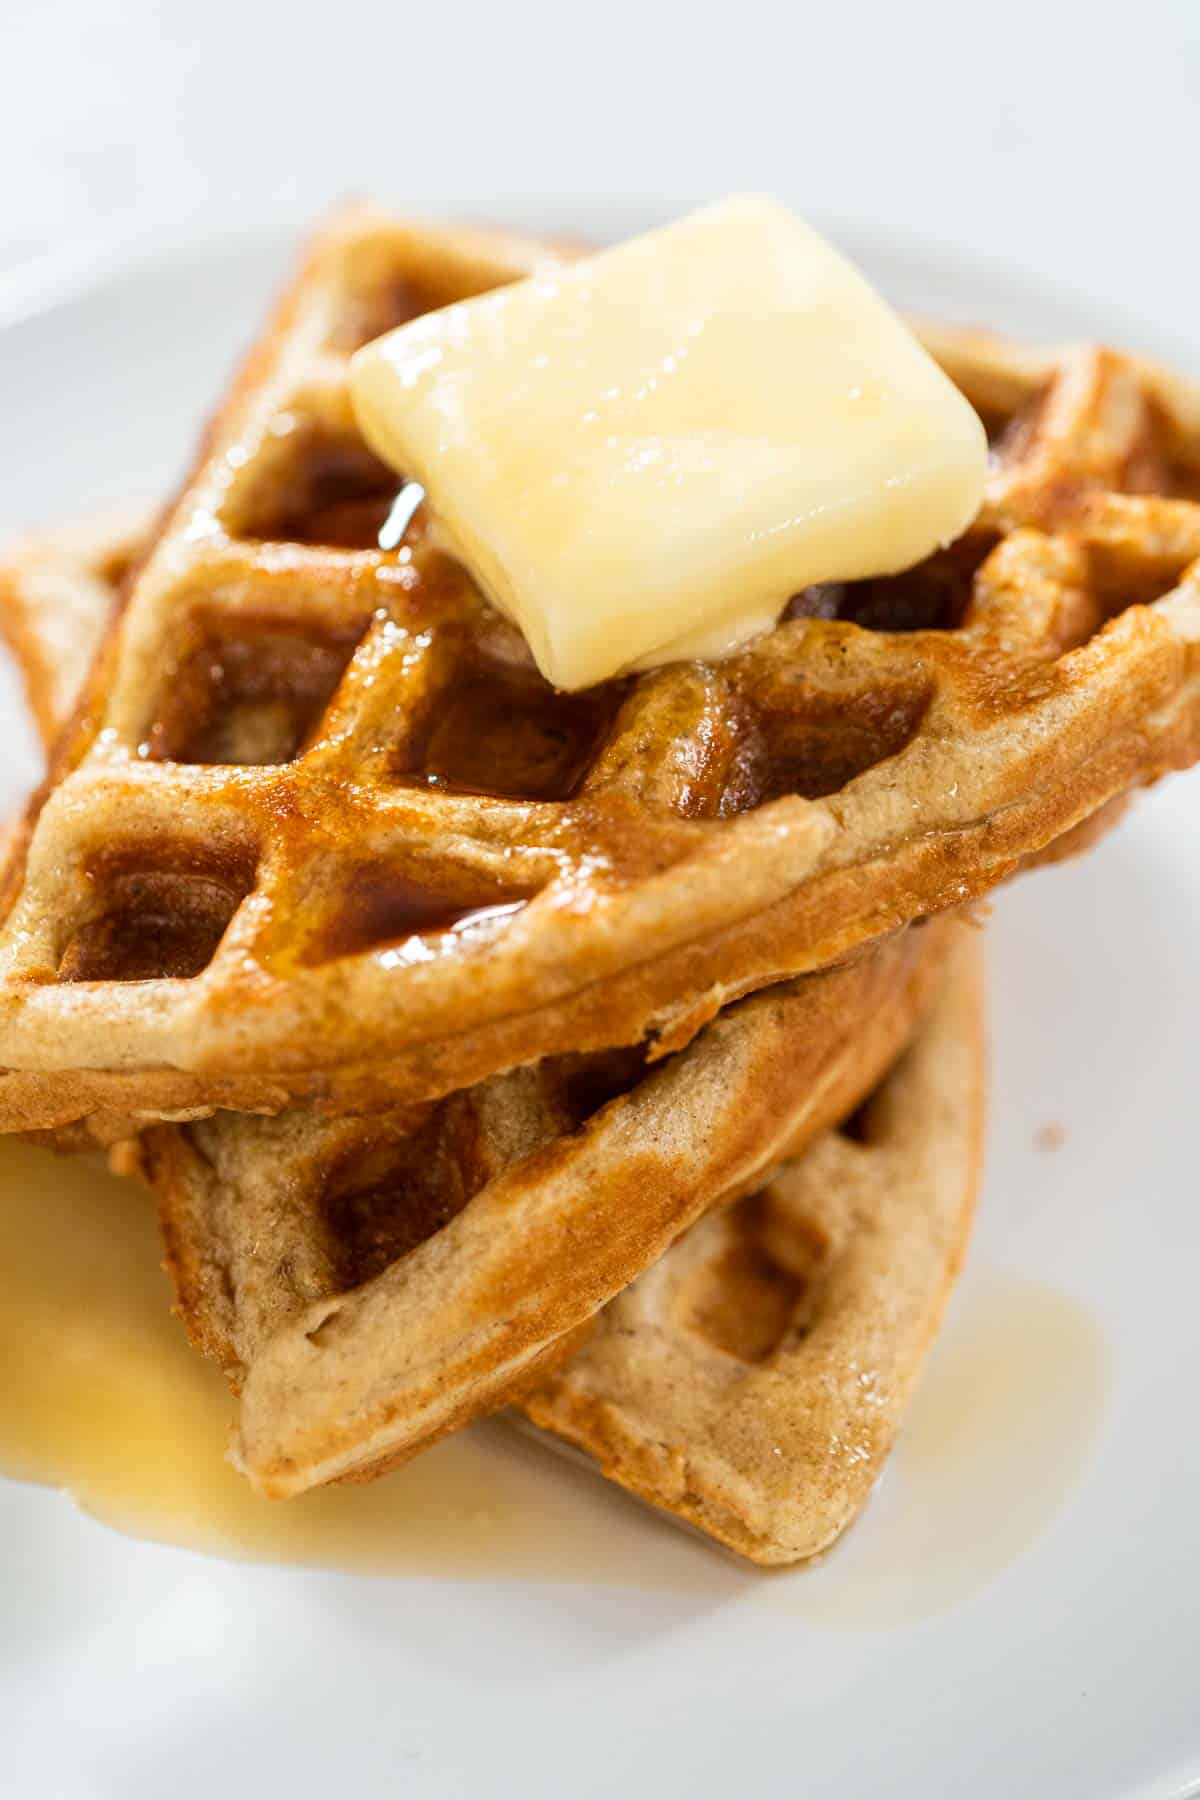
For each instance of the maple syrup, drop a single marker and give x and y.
(505, 732)
(382, 907)
(1000, 1431)
(102, 1396)
(251, 696)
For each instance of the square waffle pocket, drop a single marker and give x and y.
(319, 833)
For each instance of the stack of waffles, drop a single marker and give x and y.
(613, 1057)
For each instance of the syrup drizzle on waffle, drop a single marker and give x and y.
(298, 708)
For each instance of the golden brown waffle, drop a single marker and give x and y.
(728, 1383)
(321, 832)
(753, 1380)
(368, 1283)
(371, 1282)
(58, 595)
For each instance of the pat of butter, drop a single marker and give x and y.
(644, 455)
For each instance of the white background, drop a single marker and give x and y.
(1049, 135)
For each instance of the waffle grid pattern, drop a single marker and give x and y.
(270, 858)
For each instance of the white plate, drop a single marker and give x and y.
(1019, 1612)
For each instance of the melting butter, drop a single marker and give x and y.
(643, 455)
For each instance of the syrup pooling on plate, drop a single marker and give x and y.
(990, 1454)
(111, 1404)
(105, 1399)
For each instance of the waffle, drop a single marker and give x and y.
(727, 1384)
(320, 833)
(752, 1382)
(369, 1282)
(58, 592)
